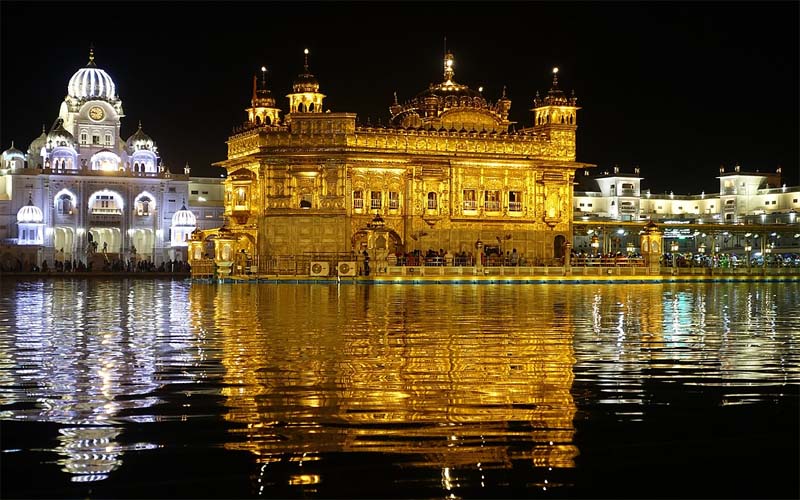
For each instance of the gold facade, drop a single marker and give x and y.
(445, 173)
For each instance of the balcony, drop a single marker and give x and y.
(491, 206)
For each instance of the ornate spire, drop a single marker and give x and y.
(305, 64)
(395, 99)
(504, 92)
(91, 55)
(555, 78)
(140, 124)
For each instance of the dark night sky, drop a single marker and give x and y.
(678, 88)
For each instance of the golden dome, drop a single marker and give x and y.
(452, 106)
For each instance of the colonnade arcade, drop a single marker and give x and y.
(76, 229)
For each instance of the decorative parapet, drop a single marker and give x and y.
(326, 134)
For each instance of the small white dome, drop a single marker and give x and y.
(35, 149)
(184, 217)
(13, 153)
(90, 82)
(59, 136)
(30, 214)
(140, 141)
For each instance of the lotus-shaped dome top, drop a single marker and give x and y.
(184, 217)
(30, 213)
(91, 82)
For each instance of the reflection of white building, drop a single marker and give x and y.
(80, 182)
(742, 198)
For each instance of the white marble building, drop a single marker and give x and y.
(743, 197)
(81, 186)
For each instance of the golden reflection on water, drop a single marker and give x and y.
(458, 378)
(451, 376)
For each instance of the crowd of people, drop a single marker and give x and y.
(444, 257)
(109, 265)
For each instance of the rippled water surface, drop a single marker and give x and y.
(136, 388)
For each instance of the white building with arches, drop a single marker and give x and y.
(82, 192)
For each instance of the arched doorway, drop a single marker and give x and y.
(143, 240)
(108, 239)
(559, 246)
(64, 243)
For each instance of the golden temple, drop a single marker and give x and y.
(448, 171)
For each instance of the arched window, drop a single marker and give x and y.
(143, 206)
(64, 204)
(432, 205)
(241, 196)
(376, 198)
(358, 199)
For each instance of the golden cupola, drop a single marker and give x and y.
(262, 110)
(555, 110)
(450, 105)
(306, 97)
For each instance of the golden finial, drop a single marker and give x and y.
(448, 67)
(91, 55)
(395, 98)
(555, 77)
(504, 92)
(140, 124)
(264, 77)
(306, 61)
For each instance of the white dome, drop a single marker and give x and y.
(30, 214)
(59, 136)
(91, 81)
(35, 149)
(184, 217)
(140, 141)
(12, 153)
